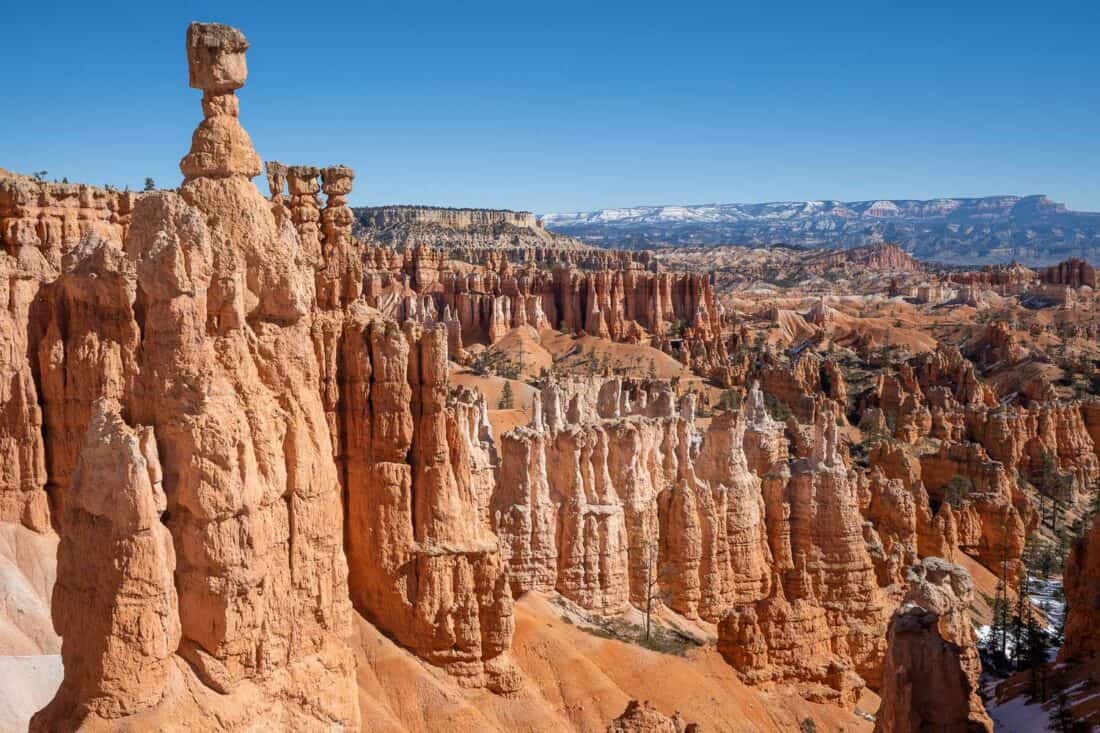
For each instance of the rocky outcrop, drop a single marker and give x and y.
(115, 601)
(52, 217)
(795, 636)
(611, 490)
(990, 519)
(1082, 585)
(930, 681)
(643, 717)
(881, 256)
(424, 563)
(802, 383)
(1003, 279)
(587, 258)
(40, 225)
(1073, 272)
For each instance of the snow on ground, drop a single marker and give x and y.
(1047, 596)
(1018, 716)
(28, 683)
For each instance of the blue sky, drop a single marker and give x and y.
(564, 106)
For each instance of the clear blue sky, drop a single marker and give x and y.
(562, 106)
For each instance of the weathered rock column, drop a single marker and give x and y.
(115, 602)
(930, 680)
(305, 210)
(340, 280)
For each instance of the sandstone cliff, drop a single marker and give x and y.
(409, 227)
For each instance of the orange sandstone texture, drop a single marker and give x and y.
(930, 680)
(1082, 584)
(115, 602)
(644, 718)
(227, 381)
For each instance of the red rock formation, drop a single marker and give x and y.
(883, 256)
(595, 507)
(1073, 272)
(931, 677)
(644, 718)
(40, 224)
(947, 367)
(52, 217)
(1082, 585)
(115, 603)
(990, 522)
(229, 384)
(424, 565)
(997, 347)
(796, 635)
(1004, 279)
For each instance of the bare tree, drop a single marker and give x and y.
(651, 582)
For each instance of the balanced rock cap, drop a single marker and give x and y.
(215, 57)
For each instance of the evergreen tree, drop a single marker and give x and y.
(1045, 479)
(1019, 619)
(150, 185)
(1035, 656)
(957, 490)
(1062, 717)
(999, 627)
(507, 399)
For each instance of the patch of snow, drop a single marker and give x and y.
(1019, 716)
(28, 683)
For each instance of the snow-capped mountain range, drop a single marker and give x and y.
(1031, 229)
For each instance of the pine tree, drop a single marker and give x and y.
(957, 490)
(999, 626)
(1038, 647)
(1019, 623)
(507, 399)
(150, 185)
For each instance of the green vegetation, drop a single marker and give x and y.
(957, 491)
(507, 399)
(730, 399)
(776, 408)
